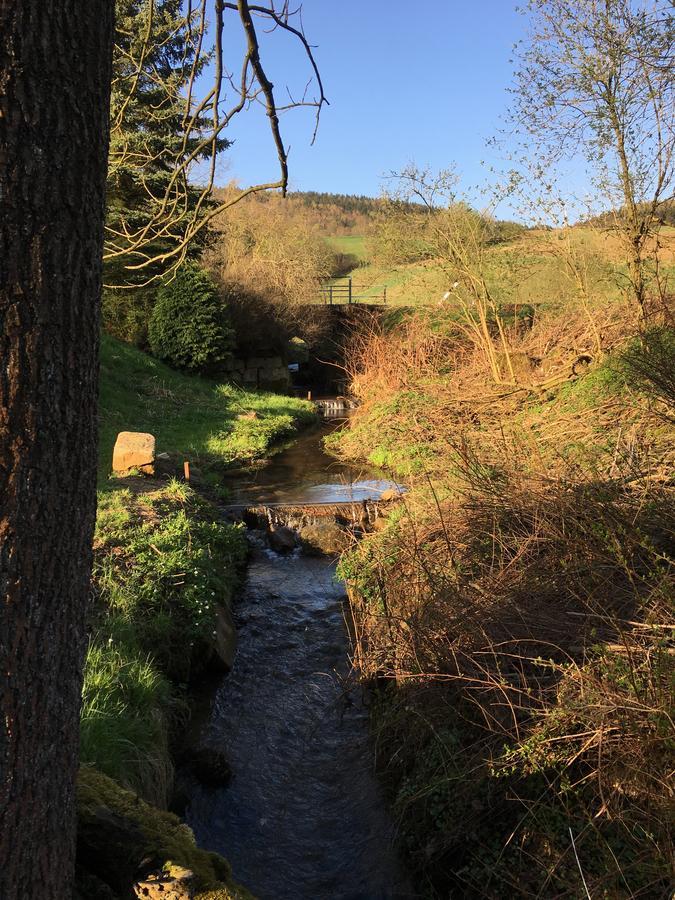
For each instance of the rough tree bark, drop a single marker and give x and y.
(55, 60)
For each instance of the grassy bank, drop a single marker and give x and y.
(165, 570)
(209, 423)
(518, 606)
(164, 563)
(164, 566)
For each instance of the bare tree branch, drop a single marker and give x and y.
(179, 209)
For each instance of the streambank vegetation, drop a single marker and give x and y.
(516, 611)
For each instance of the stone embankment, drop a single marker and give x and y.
(268, 372)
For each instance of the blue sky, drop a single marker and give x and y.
(423, 82)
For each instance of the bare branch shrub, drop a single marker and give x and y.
(445, 228)
(650, 361)
(381, 360)
(545, 606)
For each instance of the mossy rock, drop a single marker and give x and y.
(118, 833)
(325, 538)
(222, 894)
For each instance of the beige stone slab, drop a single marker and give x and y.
(134, 450)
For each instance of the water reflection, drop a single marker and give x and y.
(305, 473)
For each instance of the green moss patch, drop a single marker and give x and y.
(117, 832)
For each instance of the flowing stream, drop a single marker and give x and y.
(303, 816)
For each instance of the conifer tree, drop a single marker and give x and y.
(156, 55)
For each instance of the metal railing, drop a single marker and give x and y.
(343, 290)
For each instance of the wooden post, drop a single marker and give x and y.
(384, 294)
(309, 395)
(350, 290)
(186, 470)
(331, 294)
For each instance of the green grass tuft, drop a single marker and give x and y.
(124, 721)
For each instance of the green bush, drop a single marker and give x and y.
(126, 313)
(190, 326)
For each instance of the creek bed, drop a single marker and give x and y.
(303, 816)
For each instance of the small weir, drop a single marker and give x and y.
(334, 407)
(303, 815)
(348, 513)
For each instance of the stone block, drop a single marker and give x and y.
(134, 450)
(282, 539)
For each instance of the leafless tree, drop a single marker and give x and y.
(597, 80)
(177, 216)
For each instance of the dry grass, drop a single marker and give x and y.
(545, 606)
(522, 604)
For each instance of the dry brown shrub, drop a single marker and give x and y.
(269, 257)
(545, 602)
(382, 361)
(270, 246)
(529, 582)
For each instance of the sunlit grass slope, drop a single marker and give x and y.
(187, 414)
(528, 269)
(353, 244)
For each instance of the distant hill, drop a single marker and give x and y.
(350, 203)
(666, 216)
(338, 215)
(329, 214)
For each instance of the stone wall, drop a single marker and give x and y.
(266, 372)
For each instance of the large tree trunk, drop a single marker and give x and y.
(55, 60)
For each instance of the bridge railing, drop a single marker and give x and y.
(344, 291)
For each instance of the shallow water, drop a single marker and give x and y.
(303, 816)
(305, 473)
